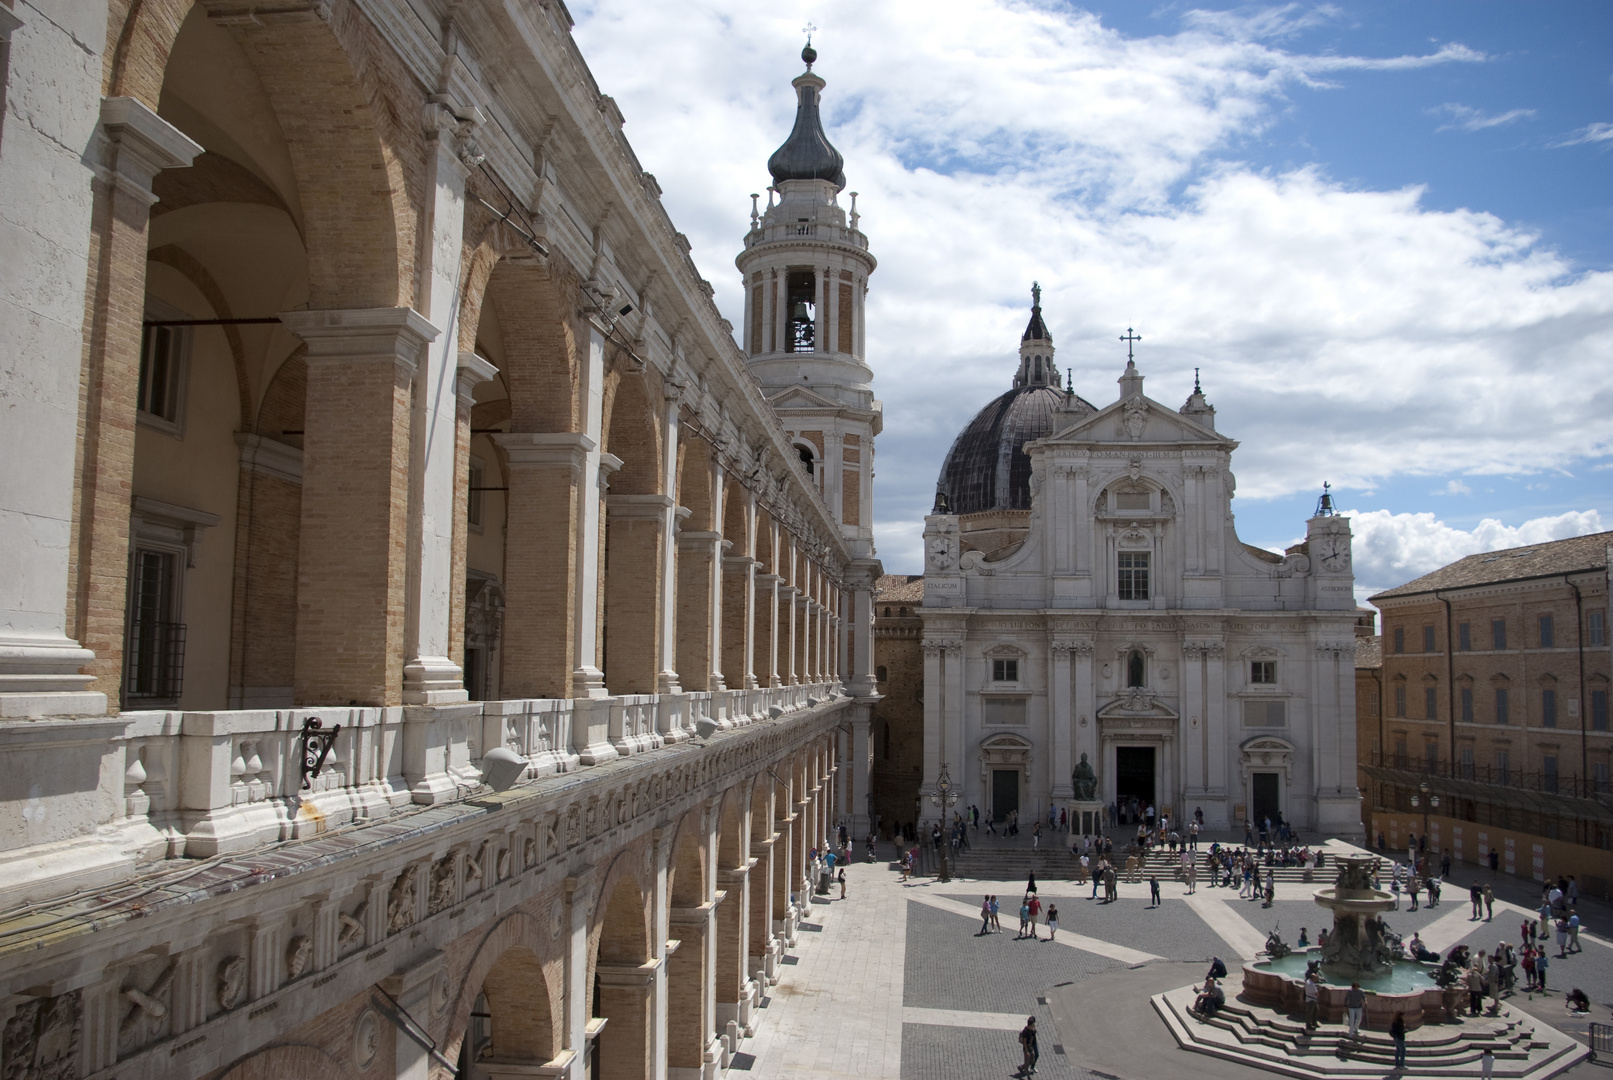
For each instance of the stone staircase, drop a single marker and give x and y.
(1524, 1048)
(1012, 858)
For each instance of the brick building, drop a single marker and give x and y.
(898, 719)
(371, 443)
(1495, 677)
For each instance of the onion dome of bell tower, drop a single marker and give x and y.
(987, 467)
(807, 154)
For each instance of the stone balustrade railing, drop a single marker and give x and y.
(199, 784)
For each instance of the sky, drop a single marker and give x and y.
(1383, 232)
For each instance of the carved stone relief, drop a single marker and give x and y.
(147, 1016)
(41, 1040)
(366, 1039)
(442, 885)
(401, 901)
(351, 931)
(231, 981)
(298, 953)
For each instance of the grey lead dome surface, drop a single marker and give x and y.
(987, 467)
(807, 153)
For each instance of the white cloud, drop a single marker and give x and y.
(1455, 487)
(1344, 334)
(1392, 549)
(1466, 118)
(1598, 132)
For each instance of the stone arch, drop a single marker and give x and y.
(689, 1024)
(734, 881)
(699, 569)
(637, 518)
(621, 975)
(288, 1063)
(525, 992)
(540, 356)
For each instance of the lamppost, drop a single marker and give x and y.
(944, 797)
(1427, 800)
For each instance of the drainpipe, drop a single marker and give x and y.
(1450, 679)
(1584, 706)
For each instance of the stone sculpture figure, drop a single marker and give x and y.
(400, 903)
(1084, 780)
(298, 953)
(231, 981)
(442, 884)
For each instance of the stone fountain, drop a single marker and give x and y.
(1360, 946)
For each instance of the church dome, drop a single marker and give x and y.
(987, 467)
(807, 154)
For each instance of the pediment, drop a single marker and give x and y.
(1266, 744)
(800, 397)
(1137, 419)
(1138, 704)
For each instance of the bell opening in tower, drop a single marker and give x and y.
(802, 298)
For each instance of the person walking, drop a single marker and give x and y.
(1573, 931)
(1542, 960)
(996, 915)
(1313, 1001)
(1355, 1005)
(1036, 835)
(1030, 886)
(1052, 922)
(1562, 938)
(1024, 916)
(1036, 912)
(1153, 891)
(1192, 877)
(1397, 1032)
(1487, 1063)
(842, 880)
(1475, 896)
(1027, 1043)
(1489, 902)
(985, 917)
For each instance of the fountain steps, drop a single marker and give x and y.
(1262, 1038)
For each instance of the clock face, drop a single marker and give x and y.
(1335, 555)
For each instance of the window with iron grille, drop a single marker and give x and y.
(1548, 637)
(1548, 708)
(1133, 575)
(154, 653)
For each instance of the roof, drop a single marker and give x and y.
(1369, 652)
(987, 467)
(1574, 555)
(899, 589)
(807, 154)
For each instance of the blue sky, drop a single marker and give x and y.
(1383, 230)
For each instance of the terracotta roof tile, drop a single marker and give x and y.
(1575, 554)
(1368, 652)
(899, 589)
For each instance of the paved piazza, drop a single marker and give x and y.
(896, 982)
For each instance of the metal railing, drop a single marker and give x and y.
(1417, 770)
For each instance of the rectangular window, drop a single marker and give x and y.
(1503, 713)
(1431, 756)
(1547, 637)
(1598, 710)
(1372, 703)
(1467, 704)
(1503, 767)
(1498, 633)
(1428, 639)
(1400, 639)
(154, 656)
(1258, 714)
(1005, 671)
(1548, 708)
(473, 499)
(1400, 751)
(1131, 500)
(162, 355)
(1548, 772)
(1003, 710)
(1263, 672)
(1464, 637)
(1133, 577)
(1467, 763)
(1596, 627)
(1430, 703)
(1400, 701)
(1599, 776)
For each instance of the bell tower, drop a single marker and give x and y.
(805, 268)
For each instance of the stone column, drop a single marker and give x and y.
(666, 677)
(1194, 729)
(734, 987)
(1216, 718)
(955, 751)
(691, 972)
(932, 723)
(1061, 719)
(738, 605)
(627, 998)
(472, 371)
(1084, 710)
(40, 661)
(578, 1007)
(540, 561)
(860, 783)
(786, 645)
(634, 622)
(352, 568)
(862, 682)
(764, 887)
(587, 680)
(699, 632)
(430, 675)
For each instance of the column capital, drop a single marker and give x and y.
(334, 335)
(471, 372)
(569, 448)
(143, 144)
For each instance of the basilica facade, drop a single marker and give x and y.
(1095, 632)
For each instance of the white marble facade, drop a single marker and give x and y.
(1221, 681)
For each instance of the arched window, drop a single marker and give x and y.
(806, 459)
(1134, 668)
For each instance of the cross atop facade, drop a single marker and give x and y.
(1128, 337)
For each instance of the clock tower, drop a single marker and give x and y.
(1327, 543)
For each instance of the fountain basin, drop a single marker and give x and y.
(1354, 901)
(1408, 988)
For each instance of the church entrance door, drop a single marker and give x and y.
(1265, 798)
(1134, 776)
(1004, 793)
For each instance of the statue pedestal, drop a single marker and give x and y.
(1086, 818)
